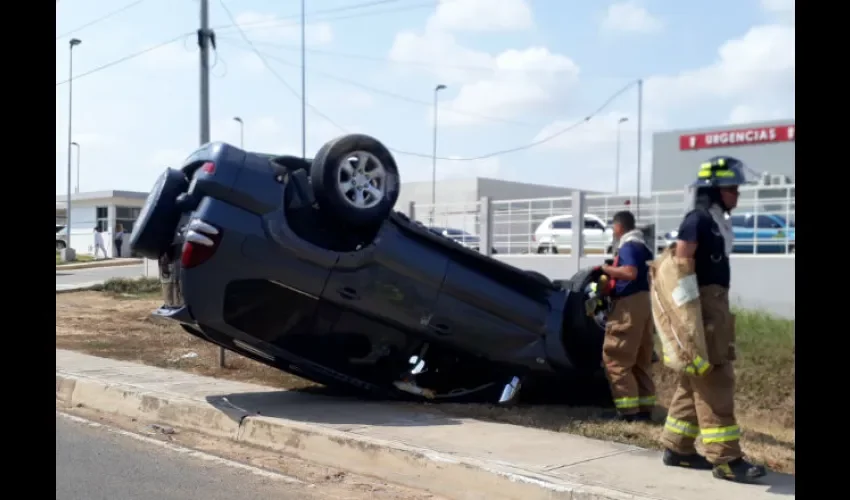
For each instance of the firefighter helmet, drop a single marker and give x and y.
(721, 171)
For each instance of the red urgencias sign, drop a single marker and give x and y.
(737, 137)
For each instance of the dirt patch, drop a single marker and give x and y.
(119, 326)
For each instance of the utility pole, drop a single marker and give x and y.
(437, 90)
(617, 169)
(639, 143)
(77, 145)
(205, 35)
(303, 82)
(71, 44)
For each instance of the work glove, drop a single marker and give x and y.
(698, 367)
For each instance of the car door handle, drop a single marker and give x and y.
(348, 293)
(441, 328)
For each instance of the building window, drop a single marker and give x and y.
(102, 217)
(126, 216)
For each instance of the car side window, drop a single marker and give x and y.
(562, 224)
(593, 224)
(742, 221)
(765, 222)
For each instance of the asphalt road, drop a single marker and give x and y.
(93, 463)
(83, 277)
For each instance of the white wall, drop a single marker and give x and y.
(759, 282)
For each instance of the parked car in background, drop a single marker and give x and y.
(763, 233)
(555, 234)
(60, 238)
(460, 236)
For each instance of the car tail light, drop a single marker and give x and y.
(208, 168)
(200, 243)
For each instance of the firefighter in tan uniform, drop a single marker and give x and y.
(628, 346)
(703, 404)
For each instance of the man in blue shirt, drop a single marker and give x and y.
(628, 346)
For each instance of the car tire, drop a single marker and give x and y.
(154, 229)
(60, 245)
(330, 177)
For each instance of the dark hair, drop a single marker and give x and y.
(626, 219)
(707, 196)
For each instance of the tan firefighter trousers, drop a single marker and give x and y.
(704, 406)
(627, 354)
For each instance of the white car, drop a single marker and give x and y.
(555, 234)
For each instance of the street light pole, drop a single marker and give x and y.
(77, 145)
(639, 144)
(204, 35)
(203, 42)
(241, 131)
(71, 44)
(437, 90)
(617, 172)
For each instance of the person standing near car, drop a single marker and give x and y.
(628, 346)
(118, 239)
(98, 243)
(704, 401)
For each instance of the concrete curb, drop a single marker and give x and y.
(107, 263)
(452, 476)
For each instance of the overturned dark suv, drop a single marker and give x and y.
(303, 265)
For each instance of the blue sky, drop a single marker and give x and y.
(516, 71)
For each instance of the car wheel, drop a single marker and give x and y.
(60, 245)
(355, 180)
(157, 221)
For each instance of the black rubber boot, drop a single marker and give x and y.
(690, 461)
(738, 470)
(643, 416)
(613, 415)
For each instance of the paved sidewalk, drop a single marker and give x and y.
(558, 462)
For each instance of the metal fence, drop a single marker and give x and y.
(765, 218)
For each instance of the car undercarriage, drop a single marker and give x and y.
(303, 265)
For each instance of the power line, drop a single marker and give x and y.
(125, 58)
(274, 73)
(294, 20)
(101, 18)
(386, 60)
(530, 145)
(398, 96)
(234, 25)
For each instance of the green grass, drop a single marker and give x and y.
(139, 287)
(80, 259)
(766, 362)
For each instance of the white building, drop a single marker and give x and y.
(104, 209)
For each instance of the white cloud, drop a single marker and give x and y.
(503, 86)
(268, 27)
(482, 15)
(630, 17)
(757, 68)
(745, 114)
(753, 77)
